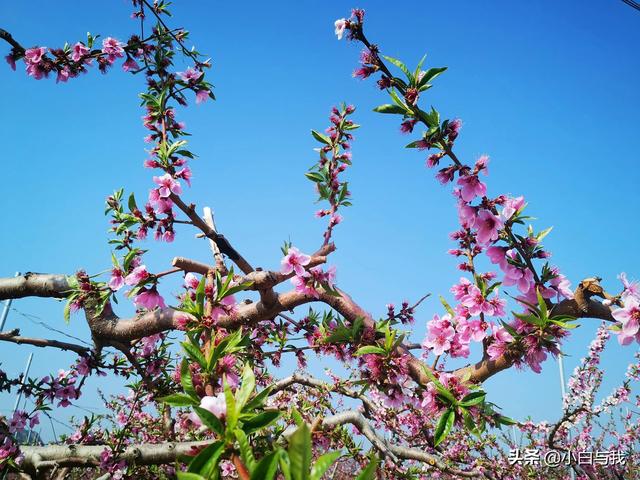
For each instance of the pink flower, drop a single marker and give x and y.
(496, 254)
(294, 261)
(216, 405)
(471, 187)
(488, 226)
(482, 163)
(191, 281)
(305, 285)
(34, 55)
(511, 206)
(461, 289)
(561, 284)
(137, 275)
(439, 336)
(63, 75)
(149, 299)
(79, 51)
(190, 75)
(117, 280)
(185, 174)
(476, 302)
(202, 96)
(630, 288)
(459, 348)
(112, 48)
(226, 306)
(167, 186)
(130, 64)
(501, 339)
(471, 330)
(629, 317)
(466, 215)
(340, 25)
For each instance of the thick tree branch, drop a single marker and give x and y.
(49, 456)
(34, 285)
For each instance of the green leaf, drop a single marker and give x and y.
(267, 467)
(430, 75)
(321, 137)
(132, 203)
(322, 464)
(246, 388)
(469, 423)
(189, 476)
(178, 400)
(444, 426)
(401, 66)
(389, 108)
(245, 449)
(232, 412)
(473, 398)
(505, 420)
(370, 349)
(207, 460)
(447, 307)
(542, 304)
(315, 177)
(185, 380)
(300, 452)
(260, 421)
(200, 295)
(210, 420)
(194, 353)
(258, 400)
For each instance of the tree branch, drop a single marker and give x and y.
(14, 337)
(49, 456)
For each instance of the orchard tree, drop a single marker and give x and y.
(211, 406)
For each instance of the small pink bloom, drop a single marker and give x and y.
(130, 64)
(149, 299)
(34, 55)
(167, 186)
(511, 206)
(190, 75)
(294, 261)
(112, 48)
(137, 275)
(202, 96)
(117, 280)
(79, 51)
(488, 226)
(471, 187)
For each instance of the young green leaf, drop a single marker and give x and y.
(444, 426)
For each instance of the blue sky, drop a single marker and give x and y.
(547, 89)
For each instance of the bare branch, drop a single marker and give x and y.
(49, 456)
(14, 337)
(394, 452)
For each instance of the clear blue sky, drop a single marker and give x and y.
(548, 89)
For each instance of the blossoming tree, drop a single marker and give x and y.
(211, 406)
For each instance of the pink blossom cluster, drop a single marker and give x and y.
(71, 61)
(307, 281)
(629, 314)
(431, 403)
